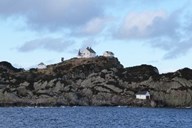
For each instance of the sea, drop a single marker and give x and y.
(94, 117)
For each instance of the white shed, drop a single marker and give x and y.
(108, 54)
(143, 95)
(87, 53)
(41, 66)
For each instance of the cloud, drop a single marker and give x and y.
(143, 25)
(53, 14)
(51, 44)
(182, 48)
(159, 30)
(93, 27)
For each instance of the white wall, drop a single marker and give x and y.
(41, 66)
(107, 55)
(144, 97)
(87, 54)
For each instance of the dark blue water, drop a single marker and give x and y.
(95, 117)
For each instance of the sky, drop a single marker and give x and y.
(153, 32)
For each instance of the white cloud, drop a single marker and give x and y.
(140, 25)
(53, 14)
(159, 30)
(93, 27)
(51, 44)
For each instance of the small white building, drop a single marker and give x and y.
(108, 54)
(87, 53)
(41, 66)
(143, 95)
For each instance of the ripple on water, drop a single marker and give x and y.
(95, 117)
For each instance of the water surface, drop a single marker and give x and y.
(95, 117)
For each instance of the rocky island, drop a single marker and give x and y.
(98, 81)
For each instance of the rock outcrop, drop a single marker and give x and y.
(93, 81)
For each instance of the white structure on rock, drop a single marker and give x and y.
(87, 53)
(41, 66)
(143, 95)
(108, 54)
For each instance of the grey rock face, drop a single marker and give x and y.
(94, 81)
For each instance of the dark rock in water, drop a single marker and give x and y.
(93, 81)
